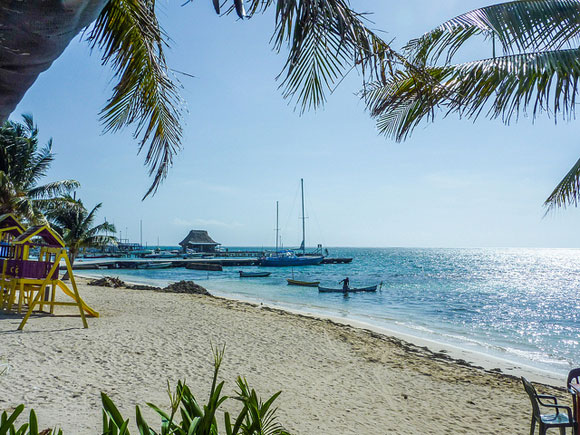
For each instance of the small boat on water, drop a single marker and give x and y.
(205, 266)
(302, 283)
(372, 288)
(253, 274)
(162, 254)
(288, 258)
(152, 265)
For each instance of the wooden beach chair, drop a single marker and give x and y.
(546, 421)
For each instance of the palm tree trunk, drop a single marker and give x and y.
(33, 34)
(72, 255)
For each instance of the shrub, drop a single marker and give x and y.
(8, 425)
(255, 417)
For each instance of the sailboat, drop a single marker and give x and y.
(285, 258)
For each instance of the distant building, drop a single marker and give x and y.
(199, 241)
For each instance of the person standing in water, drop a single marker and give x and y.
(345, 285)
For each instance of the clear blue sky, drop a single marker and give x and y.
(454, 183)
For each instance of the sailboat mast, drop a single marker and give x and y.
(303, 218)
(277, 229)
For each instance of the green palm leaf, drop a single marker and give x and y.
(519, 26)
(325, 40)
(536, 74)
(567, 192)
(506, 86)
(132, 42)
(56, 188)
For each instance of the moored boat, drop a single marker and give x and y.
(288, 258)
(302, 283)
(162, 254)
(205, 266)
(154, 265)
(372, 288)
(253, 274)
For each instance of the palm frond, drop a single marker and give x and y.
(325, 40)
(567, 192)
(90, 216)
(40, 164)
(96, 241)
(519, 26)
(132, 42)
(506, 86)
(55, 188)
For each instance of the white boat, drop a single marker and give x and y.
(154, 265)
(286, 258)
(163, 254)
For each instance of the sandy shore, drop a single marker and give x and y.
(336, 379)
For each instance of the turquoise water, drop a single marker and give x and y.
(518, 304)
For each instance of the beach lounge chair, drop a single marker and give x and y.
(546, 421)
(574, 378)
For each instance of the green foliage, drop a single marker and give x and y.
(22, 165)
(76, 225)
(188, 417)
(537, 71)
(8, 424)
(185, 417)
(132, 42)
(325, 40)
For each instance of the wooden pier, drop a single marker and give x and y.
(133, 263)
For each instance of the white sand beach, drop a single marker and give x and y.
(335, 379)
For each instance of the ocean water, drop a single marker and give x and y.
(522, 305)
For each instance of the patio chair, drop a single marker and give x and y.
(574, 378)
(547, 421)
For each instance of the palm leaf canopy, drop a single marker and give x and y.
(537, 72)
(324, 40)
(22, 166)
(518, 26)
(76, 225)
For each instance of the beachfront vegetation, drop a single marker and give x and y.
(23, 163)
(325, 40)
(8, 424)
(532, 67)
(255, 417)
(76, 226)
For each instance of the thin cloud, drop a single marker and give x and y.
(205, 223)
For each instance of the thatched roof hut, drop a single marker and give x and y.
(200, 241)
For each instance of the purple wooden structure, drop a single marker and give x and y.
(31, 269)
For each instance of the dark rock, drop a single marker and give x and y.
(186, 287)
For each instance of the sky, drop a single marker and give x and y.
(454, 183)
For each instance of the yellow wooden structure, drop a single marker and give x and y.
(33, 283)
(10, 228)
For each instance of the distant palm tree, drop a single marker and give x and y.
(76, 226)
(325, 40)
(22, 166)
(537, 71)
